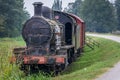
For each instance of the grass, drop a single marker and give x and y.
(11, 71)
(93, 62)
(90, 65)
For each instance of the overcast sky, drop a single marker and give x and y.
(49, 3)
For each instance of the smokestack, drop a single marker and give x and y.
(37, 8)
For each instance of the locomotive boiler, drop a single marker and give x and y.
(53, 40)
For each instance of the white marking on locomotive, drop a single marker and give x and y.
(58, 37)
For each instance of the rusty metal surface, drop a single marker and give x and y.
(44, 59)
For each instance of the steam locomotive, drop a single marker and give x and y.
(53, 39)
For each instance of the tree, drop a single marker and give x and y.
(98, 15)
(57, 5)
(2, 22)
(13, 15)
(74, 7)
(117, 6)
(77, 7)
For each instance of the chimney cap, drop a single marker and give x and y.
(37, 3)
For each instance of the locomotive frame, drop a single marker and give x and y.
(72, 35)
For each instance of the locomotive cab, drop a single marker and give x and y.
(68, 33)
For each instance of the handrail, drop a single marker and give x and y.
(90, 42)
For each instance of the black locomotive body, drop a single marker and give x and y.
(53, 39)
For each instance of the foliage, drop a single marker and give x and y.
(2, 22)
(11, 71)
(74, 8)
(12, 16)
(117, 6)
(98, 15)
(57, 5)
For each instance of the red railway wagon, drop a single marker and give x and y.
(81, 24)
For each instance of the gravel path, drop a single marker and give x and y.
(113, 73)
(114, 38)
